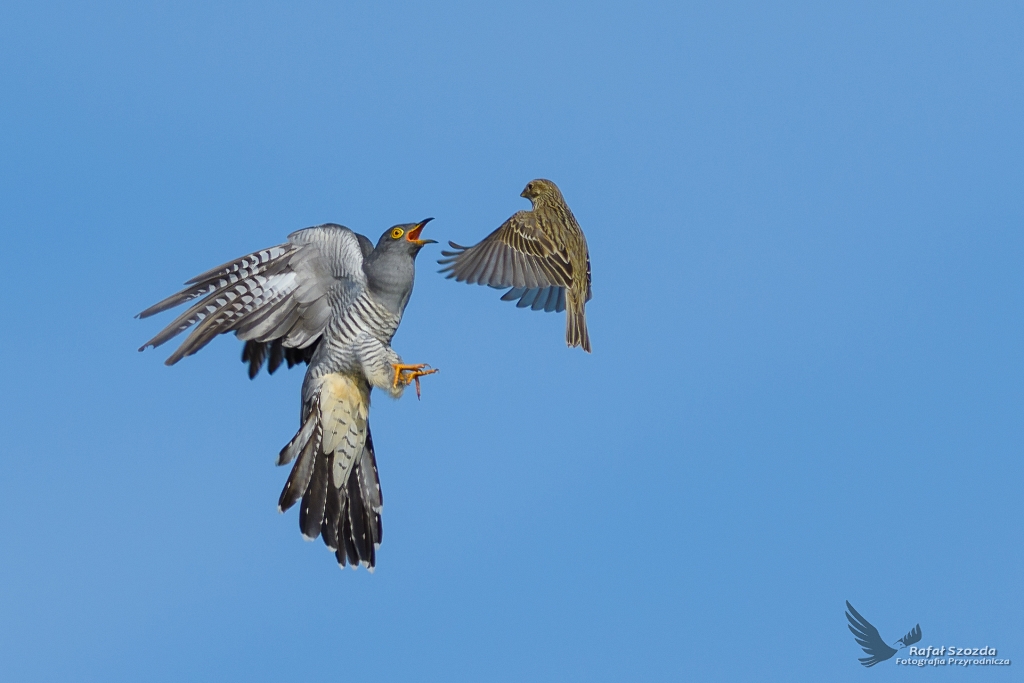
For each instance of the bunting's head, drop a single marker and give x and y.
(540, 189)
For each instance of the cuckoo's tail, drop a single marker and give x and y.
(335, 473)
(576, 326)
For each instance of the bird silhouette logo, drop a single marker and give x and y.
(867, 637)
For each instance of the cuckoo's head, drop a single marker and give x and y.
(404, 238)
(391, 267)
(540, 189)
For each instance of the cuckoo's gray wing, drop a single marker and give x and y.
(274, 352)
(867, 637)
(279, 298)
(254, 353)
(518, 255)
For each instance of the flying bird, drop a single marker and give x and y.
(867, 637)
(540, 254)
(330, 298)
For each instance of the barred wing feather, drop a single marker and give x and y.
(275, 299)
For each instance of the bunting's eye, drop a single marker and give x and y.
(396, 233)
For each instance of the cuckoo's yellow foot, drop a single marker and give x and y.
(407, 374)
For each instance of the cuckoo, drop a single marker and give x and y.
(330, 298)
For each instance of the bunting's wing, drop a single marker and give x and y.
(518, 255)
(867, 637)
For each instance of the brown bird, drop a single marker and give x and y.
(541, 254)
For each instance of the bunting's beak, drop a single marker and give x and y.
(414, 234)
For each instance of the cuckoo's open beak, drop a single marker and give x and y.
(414, 234)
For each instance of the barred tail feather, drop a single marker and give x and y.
(364, 531)
(351, 525)
(357, 549)
(314, 500)
(332, 516)
(335, 472)
(302, 471)
(299, 441)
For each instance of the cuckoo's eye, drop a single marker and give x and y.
(396, 233)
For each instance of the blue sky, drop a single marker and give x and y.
(806, 386)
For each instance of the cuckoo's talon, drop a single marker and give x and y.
(416, 378)
(407, 374)
(400, 368)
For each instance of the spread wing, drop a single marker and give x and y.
(275, 353)
(541, 298)
(518, 255)
(278, 300)
(867, 637)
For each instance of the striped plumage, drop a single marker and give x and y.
(540, 254)
(329, 298)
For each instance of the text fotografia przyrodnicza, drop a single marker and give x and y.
(952, 655)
